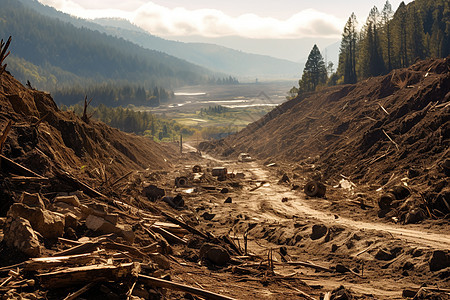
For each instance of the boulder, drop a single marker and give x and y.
(72, 200)
(20, 235)
(65, 208)
(214, 254)
(385, 255)
(175, 202)
(71, 221)
(102, 226)
(208, 216)
(415, 215)
(49, 224)
(32, 200)
(152, 192)
(400, 192)
(318, 231)
(439, 260)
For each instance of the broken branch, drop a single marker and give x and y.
(181, 287)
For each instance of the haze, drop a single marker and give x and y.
(268, 27)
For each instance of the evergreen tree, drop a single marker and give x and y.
(347, 55)
(401, 36)
(315, 72)
(415, 44)
(375, 59)
(387, 14)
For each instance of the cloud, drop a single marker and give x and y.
(214, 23)
(179, 21)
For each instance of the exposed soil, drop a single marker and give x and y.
(297, 246)
(385, 131)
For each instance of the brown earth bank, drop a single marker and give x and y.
(382, 132)
(91, 212)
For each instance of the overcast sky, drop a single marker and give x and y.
(262, 19)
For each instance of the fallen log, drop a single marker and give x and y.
(77, 184)
(18, 168)
(156, 282)
(87, 247)
(168, 235)
(85, 274)
(187, 227)
(44, 263)
(308, 265)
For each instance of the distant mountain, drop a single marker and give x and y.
(214, 57)
(51, 53)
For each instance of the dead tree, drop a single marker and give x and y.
(85, 116)
(3, 54)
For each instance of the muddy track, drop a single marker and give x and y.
(271, 193)
(265, 202)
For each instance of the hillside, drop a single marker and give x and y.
(377, 132)
(213, 57)
(52, 53)
(62, 142)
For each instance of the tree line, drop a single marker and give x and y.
(386, 41)
(214, 110)
(129, 120)
(113, 94)
(51, 54)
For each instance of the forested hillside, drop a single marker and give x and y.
(391, 40)
(51, 54)
(214, 57)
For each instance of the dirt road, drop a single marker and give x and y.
(276, 217)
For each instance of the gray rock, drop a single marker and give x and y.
(49, 224)
(20, 235)
(32, 200)
(102, 226)
(72, 200)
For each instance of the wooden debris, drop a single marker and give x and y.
(156, 282)
(5, 135)
(395, 144)
(167, 235)
(78, 185)
(45, 263)
(81, 275)
(12, 166)
(81, 291)
(187, 227)
(309, 265)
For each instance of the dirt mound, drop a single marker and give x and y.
(383, 131)
(49, 141)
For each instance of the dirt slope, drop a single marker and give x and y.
(378, 131)
(63, 142)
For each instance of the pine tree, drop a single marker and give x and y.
(415, 44)
(376, 63)
(347, 55)
(387, 14)
(401, 36)
(315, 72)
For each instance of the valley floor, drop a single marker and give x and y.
(317, 244)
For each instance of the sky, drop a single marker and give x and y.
(232, 23)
